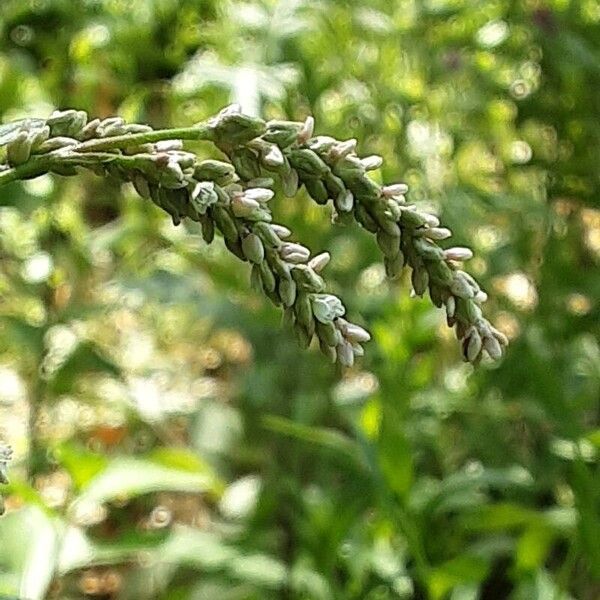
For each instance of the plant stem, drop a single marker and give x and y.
(38, 165)
(198, 132)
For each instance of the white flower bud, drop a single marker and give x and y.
(370, 163)
(319, 262)
(355, 333)
(437, 233)
(430, 220)
(499, 336)
(281, 231)
(394, 189)
(168, 145)
(295, 253)
(458, 253)
(344, 201)
(481, 297)
(259, 194)
(345, 354)
(472, 345)
(243, 206)
(274, 157)
(492, 346)
(342, 149)
(327, 307)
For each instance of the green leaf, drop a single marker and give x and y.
(131, 477)
(81, 464)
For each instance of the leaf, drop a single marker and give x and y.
(463, 569)
(320, 436)
(533, 547)
(131, 477)
(81, 464)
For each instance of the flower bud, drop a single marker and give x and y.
(267, 276)
(319, 262)
(472, 345)
(317, 190)
(287, 291)
(371, 163)
(326, 307)
(395, 189)
(225, 222)
(303, 310)
(289, 182)
(328, 333)
(344, 201)
(282, 133)
(419, 280)
(19, 149)
(253, 248)
(354, 333)
(388, 244)
(492, 347)
(342, 149)
(436, 233)
(294, 253)
(208, 228)
(203, 196)
(394, 266)
(259, 194)
(308, 162)
(273, 157)
(307, 130)
(281, 231)
(458, 253)
(215, 170)
(345, 354)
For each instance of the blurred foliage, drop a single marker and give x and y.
(172, 441)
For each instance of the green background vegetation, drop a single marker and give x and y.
(171, 439)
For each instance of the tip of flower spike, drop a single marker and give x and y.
(307, 130)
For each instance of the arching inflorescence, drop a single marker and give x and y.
(232, 197)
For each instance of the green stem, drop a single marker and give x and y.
(198, 132)
(38, 165)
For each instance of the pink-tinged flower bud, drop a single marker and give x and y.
(343, 149)
(307, 130)
(354, 333)
(345, 354)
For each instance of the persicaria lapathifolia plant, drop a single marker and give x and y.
(232, 198)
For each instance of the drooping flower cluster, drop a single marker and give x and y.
(233, 198)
